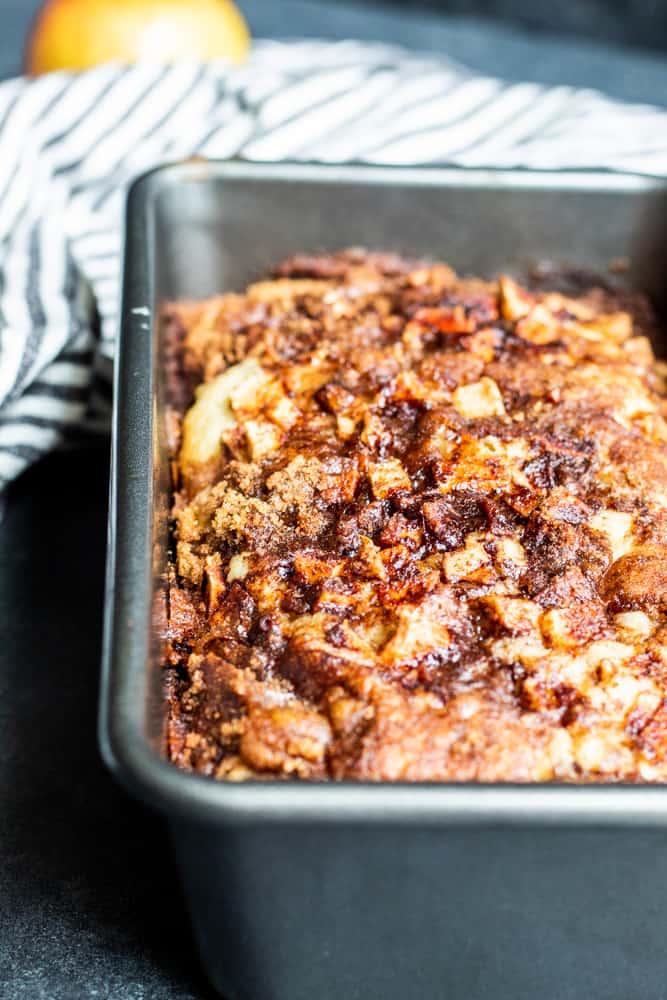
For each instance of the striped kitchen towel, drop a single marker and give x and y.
(70, 144)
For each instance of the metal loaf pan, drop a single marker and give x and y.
(385, 892)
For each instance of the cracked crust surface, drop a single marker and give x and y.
(420, 529)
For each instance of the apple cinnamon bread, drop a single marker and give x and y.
(420, 528)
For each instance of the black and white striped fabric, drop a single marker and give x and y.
(70, 144)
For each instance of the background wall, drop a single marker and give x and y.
(632, 22)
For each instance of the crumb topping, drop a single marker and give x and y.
(420, 529)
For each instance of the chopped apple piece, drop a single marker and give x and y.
(616, 525)
(480, 399)
(388, 478)
(238, 567)
(636, 623)
(212, 415)
(263, 438)
(463, 563)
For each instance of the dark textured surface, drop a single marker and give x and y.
(87, 903)
(87, 907)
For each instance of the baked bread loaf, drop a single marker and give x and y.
(420, 528)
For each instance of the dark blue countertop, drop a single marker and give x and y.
(88, 903)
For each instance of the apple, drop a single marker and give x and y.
(76, 34)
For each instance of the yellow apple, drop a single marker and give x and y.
(76, 34)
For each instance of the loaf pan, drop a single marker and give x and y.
(382, 892)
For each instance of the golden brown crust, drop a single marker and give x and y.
(421, 529)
